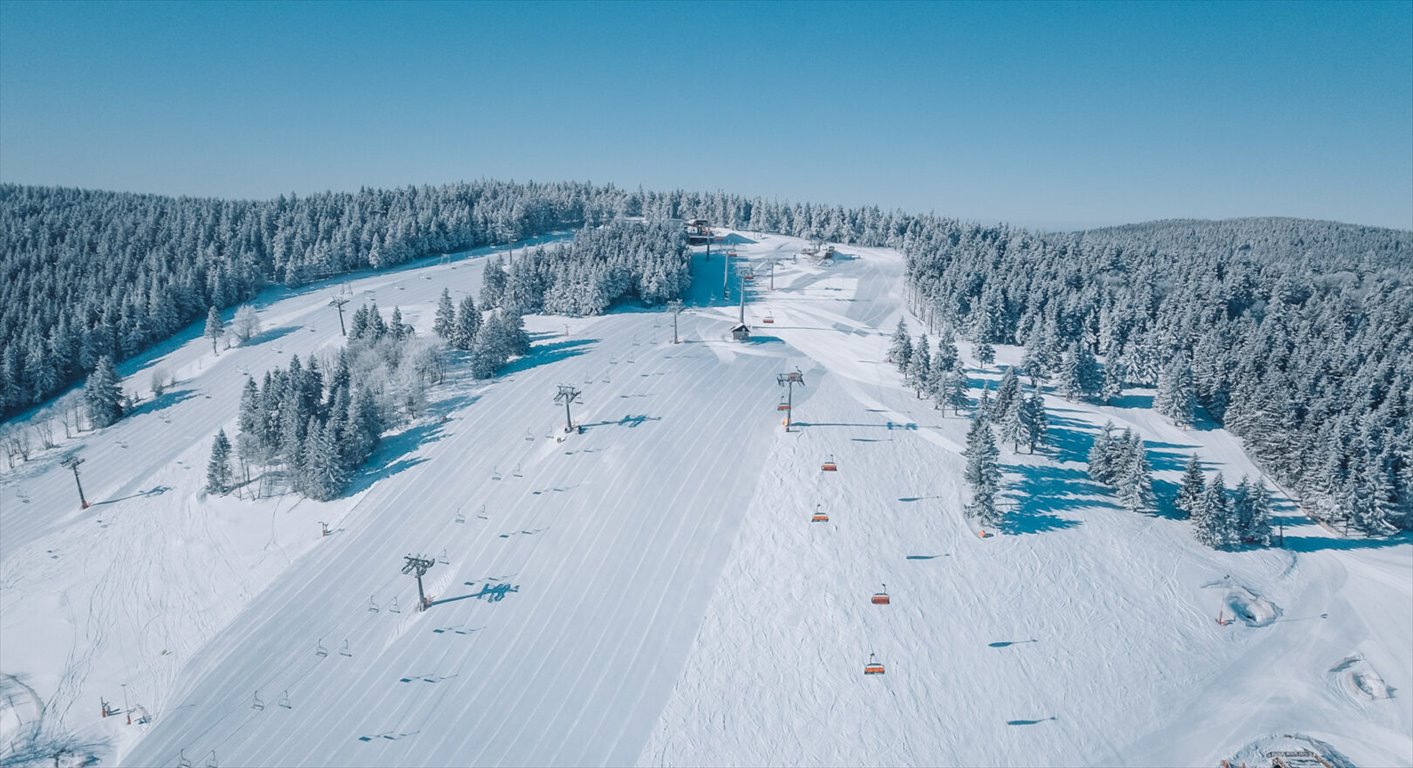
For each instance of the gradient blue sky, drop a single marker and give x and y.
(1046, 114)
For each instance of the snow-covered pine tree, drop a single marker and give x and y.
(983, 473)
(396, 326)
(103, 395)
(358, 326)
(1176, 398)
(902, 348)
(445, 322)
(1189, 495)
(1258, 525)
(1079, 372)
(218, 469)
(1136, 481)
(488, 350)
(1100, 456)
(956, 389)
(215, 329)
(919, 366)
(1114, 372)
(322, 476)
(1014, 425)
(493, 280)
(947, 355)
(1008, 395)
(985, 354)
(1212, 523)
(468, 323)
(1036, 421)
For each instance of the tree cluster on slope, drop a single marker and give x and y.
(1297, 336)
(1121, 462)
(647, 261)
(1222, 519)
(320, 427)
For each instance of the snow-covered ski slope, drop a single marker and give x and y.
(653, 591)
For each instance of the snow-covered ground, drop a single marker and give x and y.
(653, 591)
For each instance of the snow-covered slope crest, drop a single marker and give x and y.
(653, 590)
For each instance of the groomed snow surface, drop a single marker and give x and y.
(651, 590)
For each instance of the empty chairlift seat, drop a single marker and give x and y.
(873, 667)
(768, 320)
(881, 597)
(784, 406)
(819, 516)
(829, 466)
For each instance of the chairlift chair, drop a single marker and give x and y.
(783, 406)
(768, 320)
(829, 466)
(819, 516)
(881, 597)
(874, 666)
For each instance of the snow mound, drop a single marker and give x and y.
(1252, 609)
(1292, 749)
(1358, 680)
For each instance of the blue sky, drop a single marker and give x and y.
(1046, 114)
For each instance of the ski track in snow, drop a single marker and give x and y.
(652, 590)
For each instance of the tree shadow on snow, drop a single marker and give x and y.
(166, 400)
(391, 457)
(544, 354)
(1044, 490)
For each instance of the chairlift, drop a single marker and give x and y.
(372, 605)
(819, 516)
(255, 702)
(783, 406)
(768, 320)
(829, 466)
(319, 649)
(284, 700)
(874, 666)
(881, 598)
(344, 651)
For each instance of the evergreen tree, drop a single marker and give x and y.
(1212, 524)
(493, 280)
(359, 326)
(396, 327)
(218, 469)
(919, 366)
(445, 322)
(901, 351)
(1037, 423)
(215, 328)
(956, 388)
(983, 473)
(1113, 385)
(103, 394)
(1258, 524)
(362, 429)
(377, 327)
(322, 474)
(1176, 398)
(1079, 374)
(985, 353)
(1101, 453)
(1008, 395)
(947, 355)
(468, 323)
(488, 350)
(1136, 480)
(1189, 495)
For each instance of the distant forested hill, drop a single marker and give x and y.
(1295, 335)
(89, 274)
